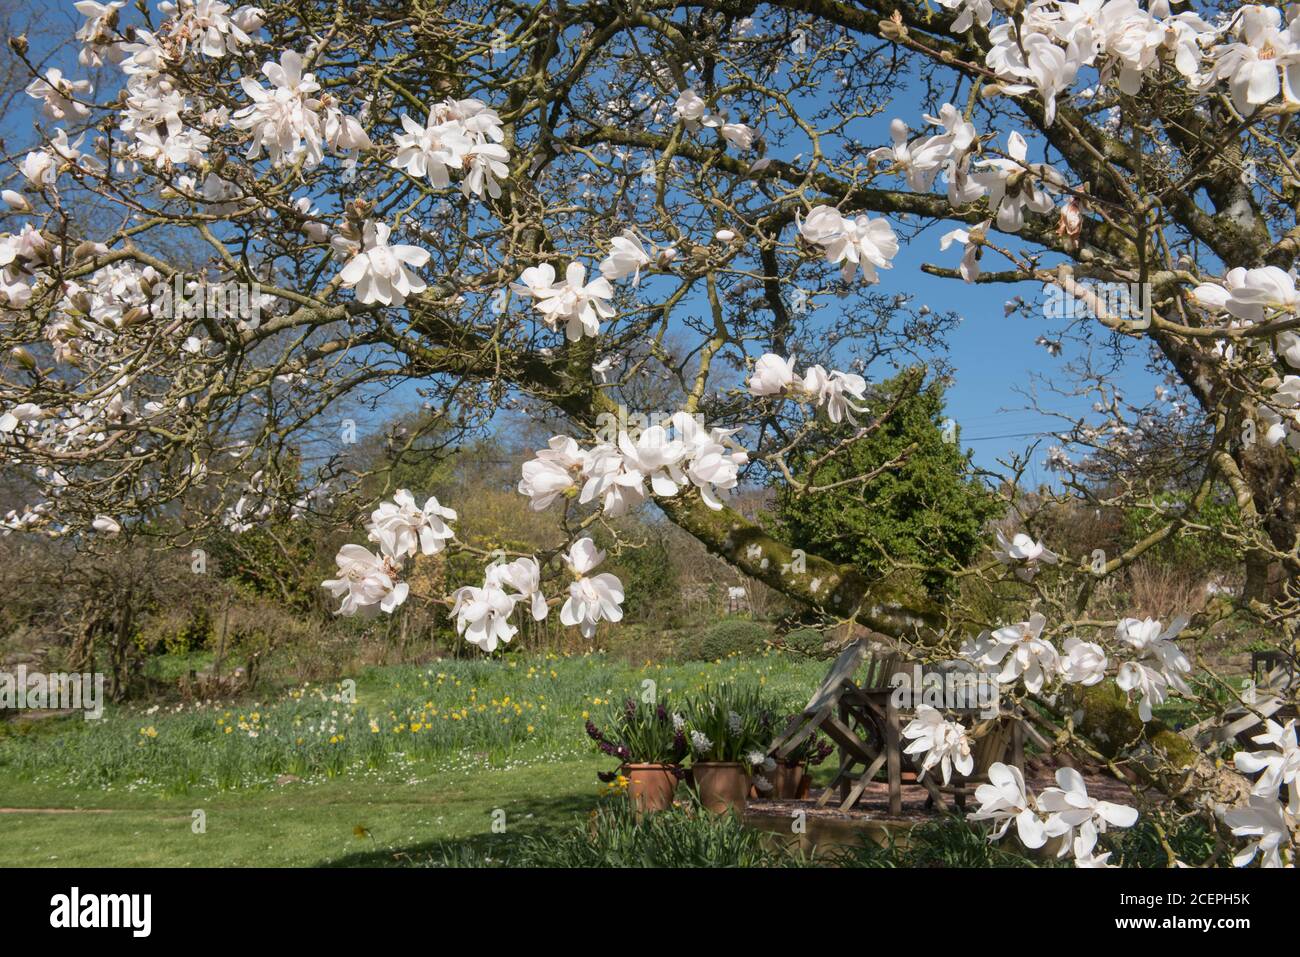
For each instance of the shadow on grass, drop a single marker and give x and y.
(539, 817)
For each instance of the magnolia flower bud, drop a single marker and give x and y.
(18, 44)
(893, 28)
(23, 357)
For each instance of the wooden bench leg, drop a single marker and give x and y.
(893, 745)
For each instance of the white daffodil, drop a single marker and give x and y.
(1280, 767)
(1003, 800)
(1021, 652)
(1069, 809)
(378, 271)
(944, 743)
(1024, 554)
(400, 527)
(592, 598)
(1084, 662)
(367, 582)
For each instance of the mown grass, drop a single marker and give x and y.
(378, 770)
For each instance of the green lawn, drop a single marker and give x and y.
(412, 768)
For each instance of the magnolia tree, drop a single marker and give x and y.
(664, 228)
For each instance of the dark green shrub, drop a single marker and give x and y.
(723, 638)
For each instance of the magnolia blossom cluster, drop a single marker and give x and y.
(369, 582)
(694, 112)
(835, 390)
(458, 135)
(659, 461)
(483, 614)
(1271, 825)
(1065, 813)
(855, 242)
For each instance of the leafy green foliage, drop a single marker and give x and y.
(929, 511)
(733, 636)
(1193, 553)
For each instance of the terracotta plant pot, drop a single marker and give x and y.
(722, 785)
(788, 784)
(650, 787)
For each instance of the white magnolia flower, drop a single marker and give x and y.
(1263, 62)
(20, 413)
(773, 376)
(1084, 662)
(483, 615)
(972, 11)
(1069, 809)
(367, 582)
(1151, 642)
(1033, 57)
(690, 108)
(525, 576)
(379, 272)
(737, 134)
(552, 472)
(919, 160)
(283, 119)
(400, 527)
(1150, 684)
(1280, 767)
(592, 598)
(970, 257)
(58, 96)
(1265, 820)
(859, 242)
(1249, 293)
(1014, 186)
(1003, 800)
(579, 304)
(653, 457)
(944, 743)
(1024, 553)
(711, 465)
(1022, 653)
(626, 257)
(833, 389)
(431, 151)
